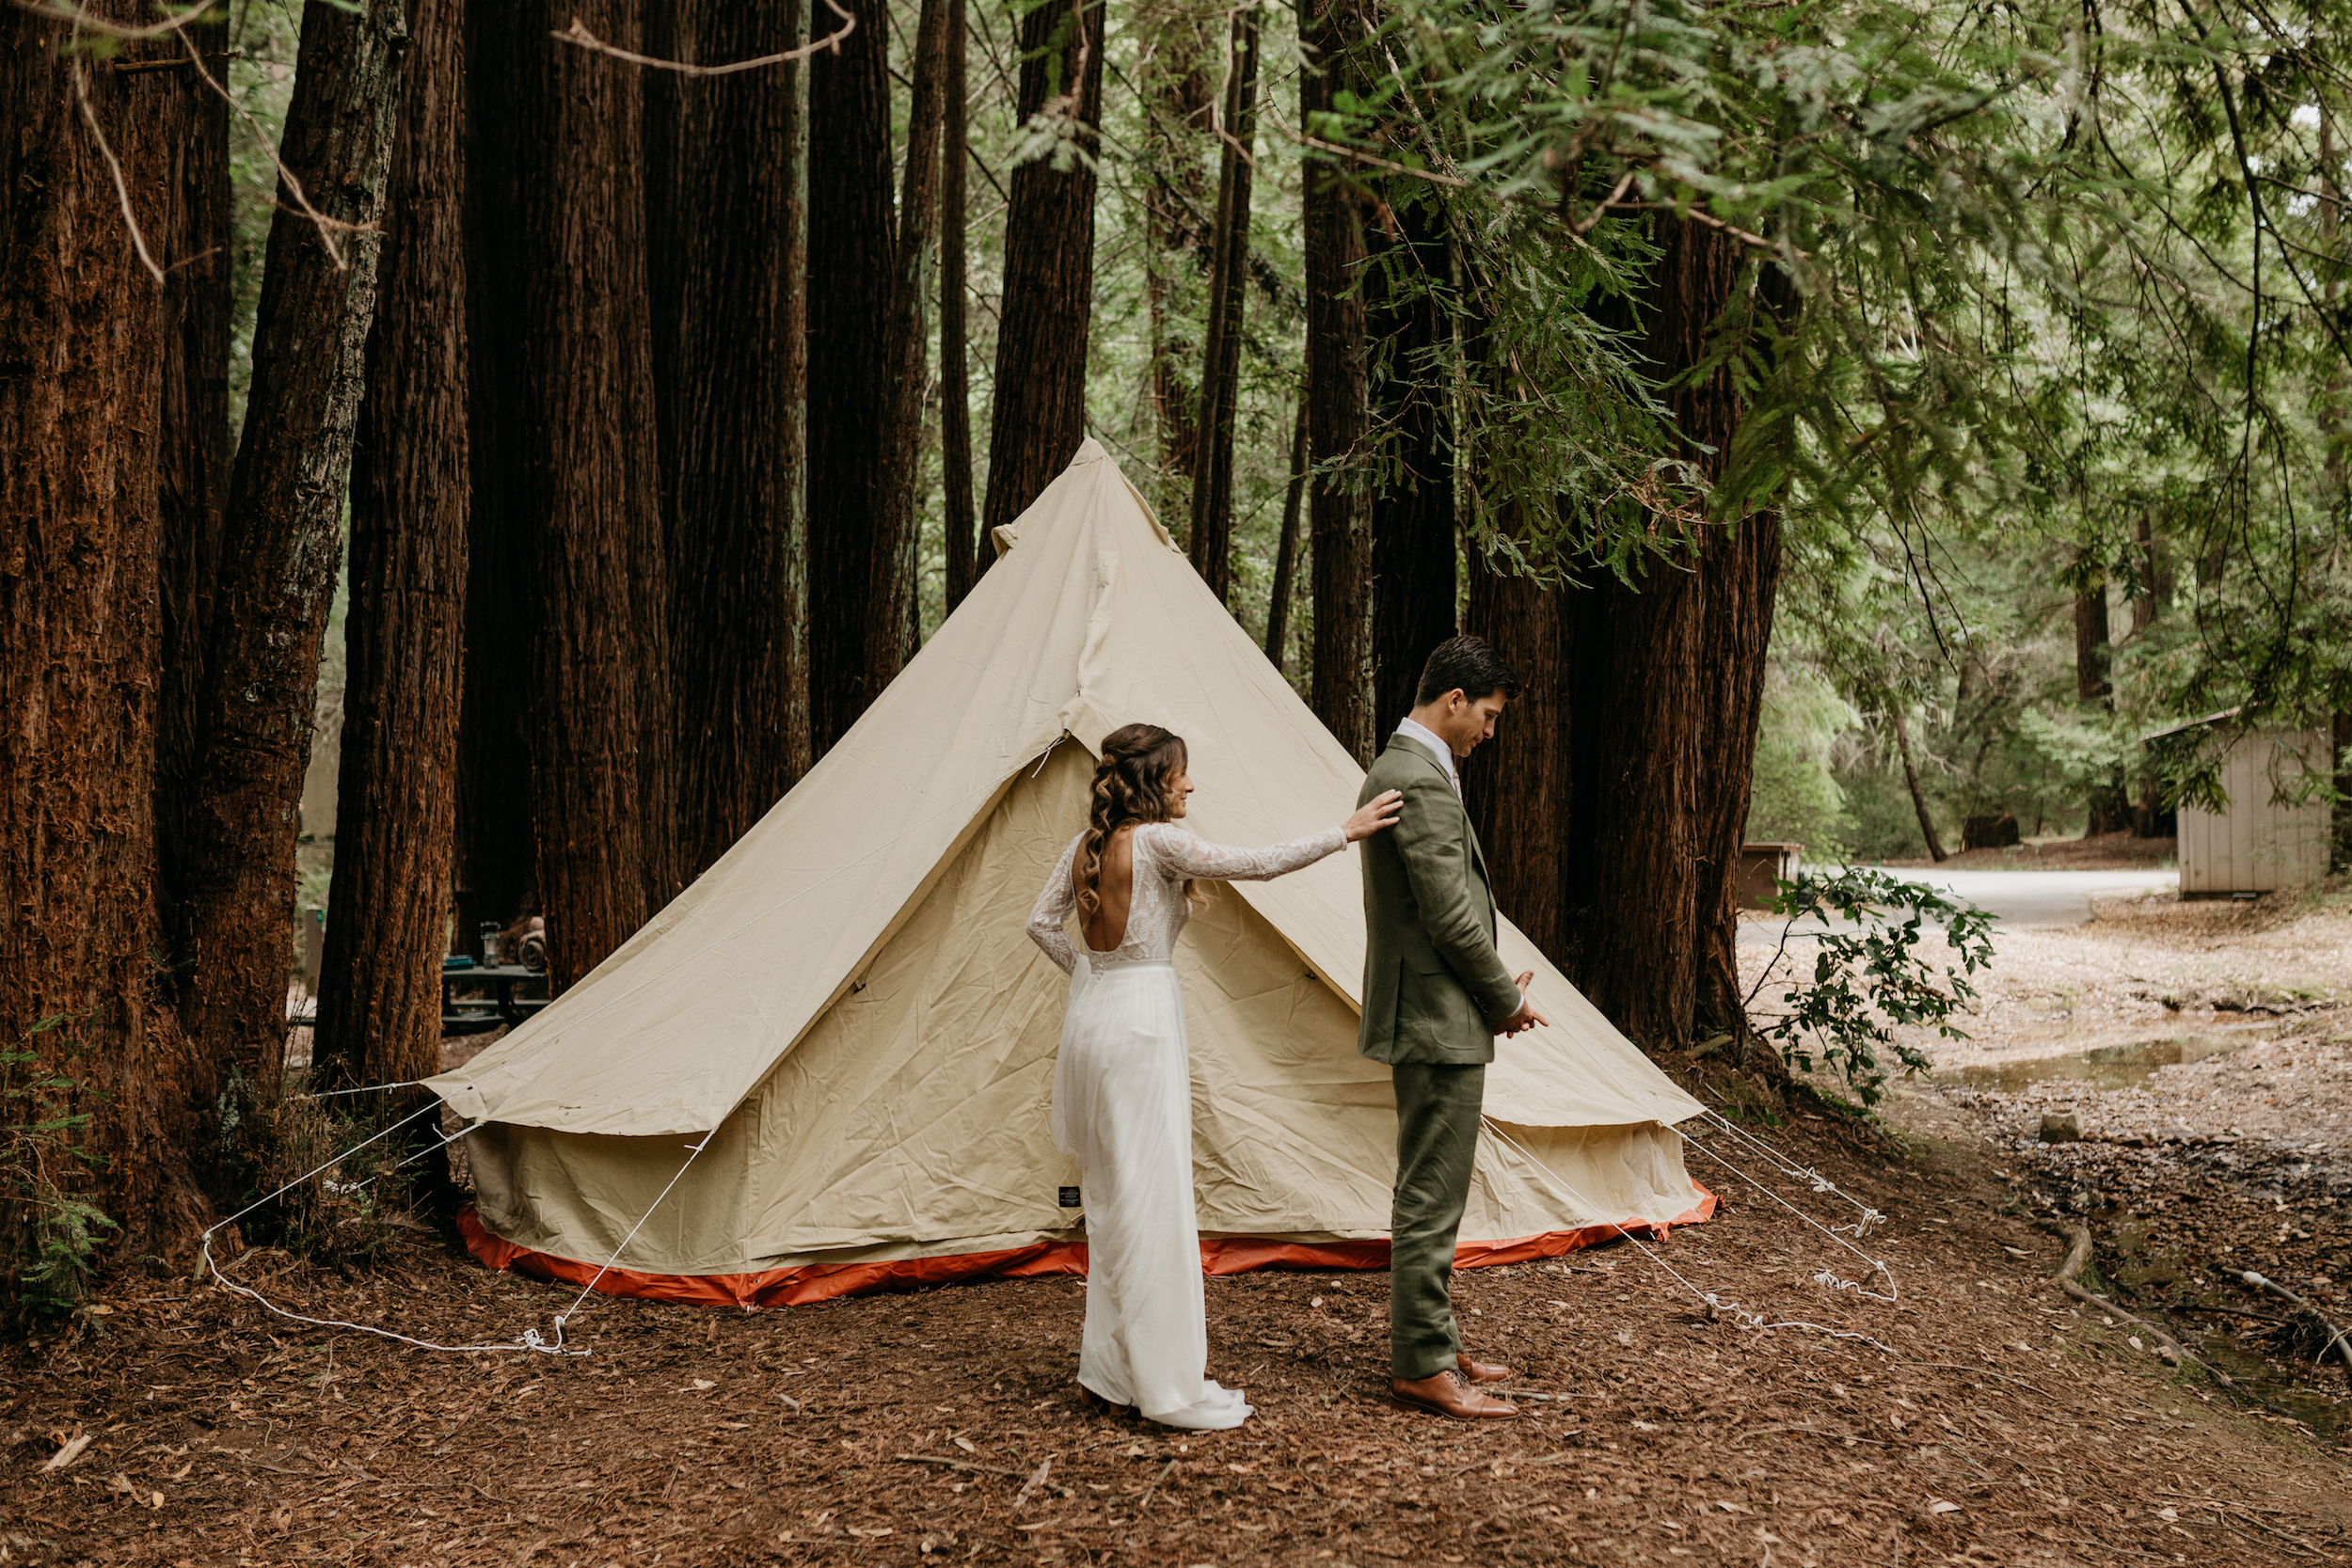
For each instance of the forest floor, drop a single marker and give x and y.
(1985, 1419)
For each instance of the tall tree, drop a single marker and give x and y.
(557, 136)
(954, 377)
(86, 333)
(388, 907)
(1177, 104)
(1332, 32)
(1277, 613)
(729, 380)
(891, 626)
(2106, 806)
(1040, 414)
(1407, 279)
(281, 538)
(1664, 682)
(1211, 538)
(1517, 786)
(850, 272)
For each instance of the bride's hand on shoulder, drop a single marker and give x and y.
(1373, 815)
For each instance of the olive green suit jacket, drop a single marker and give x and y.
(1435, 989)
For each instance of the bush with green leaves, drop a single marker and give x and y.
(1872, 979)
(60, 1229)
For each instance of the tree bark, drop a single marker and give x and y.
(1338, 513)
(388, 909)
(955, 375)
(891, 627)
(557, 140)
(1278, 613)
(728, 384)
(850, 272)
(1211, 537)
(1039, 415)
(199, 447)
(2092, 645)
(1910, 780)
(281, 540)
(1517, 785)
(1413, 537)
(1178, 232)
(87, 334)
(1739, 587)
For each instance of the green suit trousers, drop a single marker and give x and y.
(1437, 1107)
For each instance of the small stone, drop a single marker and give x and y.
(2061, 1127)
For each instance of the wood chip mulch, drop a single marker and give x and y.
(177, 1423)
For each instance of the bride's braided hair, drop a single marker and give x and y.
(1130, 786)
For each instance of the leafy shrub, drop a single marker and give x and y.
(46, 1169)
(1872, 980)
(323, 1185)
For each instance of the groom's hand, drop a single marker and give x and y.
(1528, 1016)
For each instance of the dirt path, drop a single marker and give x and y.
(1984, 1419)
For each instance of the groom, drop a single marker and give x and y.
(1436, 995)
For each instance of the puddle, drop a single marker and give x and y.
(2108, 1066)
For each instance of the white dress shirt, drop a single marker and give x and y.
(1425, 738)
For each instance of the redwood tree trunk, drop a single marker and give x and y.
(1211, 539)
(955, 375)
(849, 287)
(1177, 97)
(727, 356)
(1910, 780)
(891, 628)
(86, 333)
(2106, 806)
(1339, 511)
(280, 542)
(1645, 706)
(1278, 613)
(1516, 785)
(1413, 540)
(557, 136)
(198, 445)
(388, 909)
(1039, 415)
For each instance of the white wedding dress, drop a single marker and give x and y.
(1122, 1104)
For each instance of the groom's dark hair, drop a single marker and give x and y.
(1468, 664)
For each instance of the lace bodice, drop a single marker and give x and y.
(1165, 854)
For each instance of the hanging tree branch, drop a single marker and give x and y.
(580, 36)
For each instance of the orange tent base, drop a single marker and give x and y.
(823, 1281)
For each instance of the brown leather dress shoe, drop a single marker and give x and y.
(1449, 1393)
(1482, 1371)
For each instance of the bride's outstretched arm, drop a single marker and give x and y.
(1054, 905)
(1180, 854)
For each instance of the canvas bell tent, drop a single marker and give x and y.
(827, 1067)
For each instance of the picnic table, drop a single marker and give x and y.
(503, 1008)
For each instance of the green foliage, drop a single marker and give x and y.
(1794, 797)
(1870, 981)
(59, 1229)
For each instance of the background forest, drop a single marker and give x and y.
(1852, 417)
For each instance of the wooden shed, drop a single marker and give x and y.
(2269, 835)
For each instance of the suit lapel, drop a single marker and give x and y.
(1420, 755)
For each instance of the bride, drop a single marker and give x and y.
(1122, 1085)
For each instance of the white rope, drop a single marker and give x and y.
(1716, 1305)
(1826, 1277)
(1788, 1167)
(565, 1316)
(528, 1340)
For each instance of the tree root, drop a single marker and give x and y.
(2077, 1254)
(2336, 1339)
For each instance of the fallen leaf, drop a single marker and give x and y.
(1733, 1508)
(2168, 1515)
(1039, 1525)
(967, 1445)
(1937, 1505)
(871, 1534)
(703, 1382)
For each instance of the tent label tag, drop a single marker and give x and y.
(1070, 1199)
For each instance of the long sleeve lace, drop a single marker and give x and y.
(1178, 853)
(1047, 920)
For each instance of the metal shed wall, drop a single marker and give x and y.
(2256, 845)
